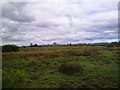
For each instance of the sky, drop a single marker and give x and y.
(61, 21)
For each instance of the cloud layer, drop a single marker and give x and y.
(59, 21)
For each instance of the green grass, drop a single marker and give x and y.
(39, 67)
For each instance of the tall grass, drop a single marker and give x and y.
(53, 54)
(11, 78)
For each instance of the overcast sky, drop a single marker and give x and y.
(60, 21)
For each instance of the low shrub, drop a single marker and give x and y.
(71, 68)
(10, 48)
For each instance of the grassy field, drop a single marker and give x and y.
(40, 67)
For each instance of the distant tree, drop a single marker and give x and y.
(68, 44)
(114, 43)
(31, 44)
(24, 46)
(54, 43)
(10, 48)
(35, 45)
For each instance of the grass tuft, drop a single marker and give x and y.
(71, 68)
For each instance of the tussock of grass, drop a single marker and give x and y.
(71, 68)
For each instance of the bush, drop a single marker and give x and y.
(71, 68)
(10, 48)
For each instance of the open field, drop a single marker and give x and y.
(39, 67)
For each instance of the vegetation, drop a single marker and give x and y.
(10, 48)
(71, 68)
(80, 44)
(61, 67)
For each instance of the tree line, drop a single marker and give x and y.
(111, 44)
(15, 48)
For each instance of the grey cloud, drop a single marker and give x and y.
(10, 26)
(46, 25)
(111, 26)
(15, 12)
(66, 24)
